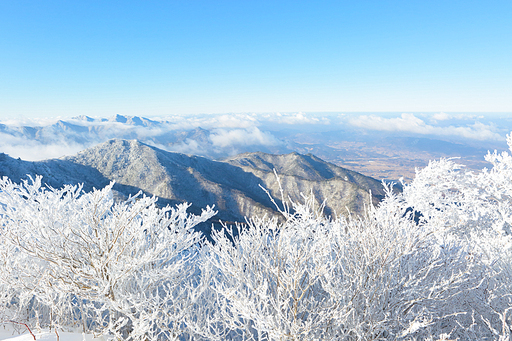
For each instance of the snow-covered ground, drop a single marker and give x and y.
(8, 333)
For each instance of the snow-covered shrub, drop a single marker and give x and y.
(473, 209)
(433, 262)
(270, 277)
(381, 276)
(112, 265)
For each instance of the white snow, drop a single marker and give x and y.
(45, 335)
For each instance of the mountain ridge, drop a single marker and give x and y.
(233, 185)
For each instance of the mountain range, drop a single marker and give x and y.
(384, 155)
(235, 185)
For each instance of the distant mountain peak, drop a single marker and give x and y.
(118, 118)
(83, 118)
(132, 120)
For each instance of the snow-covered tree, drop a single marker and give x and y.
(121, 262)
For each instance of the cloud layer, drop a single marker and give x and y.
(223, 135)
(411, 124)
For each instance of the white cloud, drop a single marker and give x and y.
(296, 118)
(242, 137)
(31, 150)
(30, 122)
(229, 133)
(212, 121)
(232, 121)
(412, 124)
(186, 147)
(441, 116)
(407, 122)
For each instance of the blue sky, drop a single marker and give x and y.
(147, 58)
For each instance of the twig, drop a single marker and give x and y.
(25, 327)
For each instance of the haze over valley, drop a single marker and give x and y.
(380, 145)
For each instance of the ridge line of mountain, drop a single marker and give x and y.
(232, 184)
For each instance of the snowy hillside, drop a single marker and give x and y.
(232, 185)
